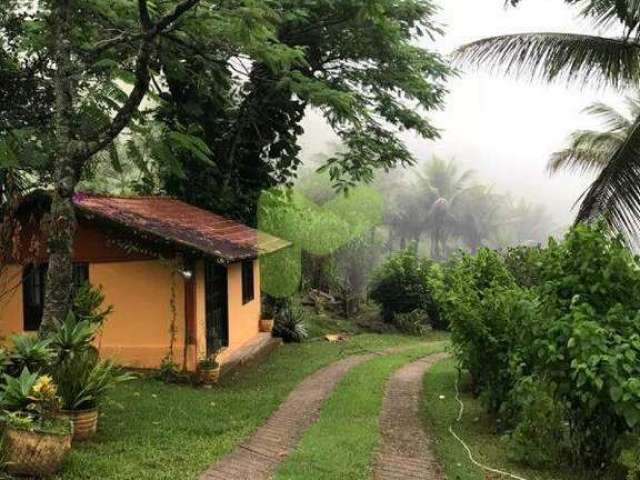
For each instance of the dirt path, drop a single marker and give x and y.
(406, 451)
(258, 457)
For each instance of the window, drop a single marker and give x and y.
(247, 281)
(34, 278)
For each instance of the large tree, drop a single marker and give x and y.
(362, 70)
(72, 59)
(584, 59)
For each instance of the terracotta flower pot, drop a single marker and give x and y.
(210, 376)
(34, 453)
(85, 422)
(266, 324)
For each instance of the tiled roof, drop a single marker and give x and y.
(182, 224)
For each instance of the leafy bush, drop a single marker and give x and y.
(87, 305)
(524, 264)
(400, 286)
(589, 344)
(290, 323)
(487, 314)
(414, 323)
(575, 333)
(539, 437)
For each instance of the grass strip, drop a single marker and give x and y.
(477, 430)
(341, 444)
(149, 430)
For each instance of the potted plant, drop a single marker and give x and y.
(82, 378)
(83, 384)
(266, 318)
(209, 370)
(35, 441)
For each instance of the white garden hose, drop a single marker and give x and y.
(466, 447)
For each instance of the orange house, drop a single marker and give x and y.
(182, 281)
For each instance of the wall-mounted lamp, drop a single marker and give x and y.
(186, 274)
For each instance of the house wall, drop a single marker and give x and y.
(138, 332)
(143, 295)
(148, 302)
(10, 300)
(244, 320)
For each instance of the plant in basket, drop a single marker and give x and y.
(35, 439)
(209, 368)
(82, 378)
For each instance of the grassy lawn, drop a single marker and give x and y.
(150, 430)
(476, 430)
(343, 441)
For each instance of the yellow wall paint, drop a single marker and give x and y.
(138, 332)
(244, 320)
(10, 300)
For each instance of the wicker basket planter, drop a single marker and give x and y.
(85, 422)
(34, 453)
(209, 376)
(266, 324)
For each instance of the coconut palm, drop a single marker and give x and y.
(442, 183)
(589, 151)
(581, 59)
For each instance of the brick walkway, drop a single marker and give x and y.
(406, 451)
(258, 457)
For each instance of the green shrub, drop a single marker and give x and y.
(489, 317)
(413, 323)
(290, 323)
(589, 343)
(576, 332)
(400, 286)
(87, 305)
(539, 435)
(524, 264)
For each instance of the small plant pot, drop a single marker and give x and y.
(85, 422)
(209, 376)
(34, 454)
(266, 325)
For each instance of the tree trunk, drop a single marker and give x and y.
(62, 225)
(62, 228)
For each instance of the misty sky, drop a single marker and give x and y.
(504, 128)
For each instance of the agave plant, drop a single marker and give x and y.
(17, 390)
(84, 381)
(290, 323)
(72, 337)
(581, 59)
(30, 352)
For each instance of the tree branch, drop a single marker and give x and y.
(142, 79)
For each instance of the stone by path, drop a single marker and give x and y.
(406, 452)
(258, 457)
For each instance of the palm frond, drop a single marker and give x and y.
(615, 194)
(582, 160)
(611, 118)
(586, 59)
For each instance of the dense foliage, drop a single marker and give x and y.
(400, 287)
(562, 345)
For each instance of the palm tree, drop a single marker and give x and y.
(589, 151)
(582, 59)
(441, 183)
